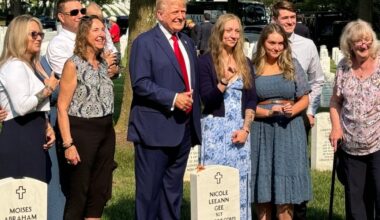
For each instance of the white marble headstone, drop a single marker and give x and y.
(24, 198)
(327, 90)
(192, 162)
(215, 193)
(322, 154)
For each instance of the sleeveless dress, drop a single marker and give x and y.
(217, 147)
(280, 165)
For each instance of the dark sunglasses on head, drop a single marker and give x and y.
(35, 34)
(75, 12)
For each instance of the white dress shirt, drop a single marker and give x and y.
(305, 51)
(18, 88)
(60, 48)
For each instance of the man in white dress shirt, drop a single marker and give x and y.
(61, 47)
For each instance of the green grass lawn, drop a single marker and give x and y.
(121, 205)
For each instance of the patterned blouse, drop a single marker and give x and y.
(93, 96)
(360, 113)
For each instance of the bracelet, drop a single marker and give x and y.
(223, 83)
(67, 145)
(246, 130)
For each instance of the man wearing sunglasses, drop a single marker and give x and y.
(61, 47)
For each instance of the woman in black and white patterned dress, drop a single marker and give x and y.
(85, 108)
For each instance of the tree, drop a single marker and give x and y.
(16, 8)
(102, 2)
(141, 19)
(365, 10)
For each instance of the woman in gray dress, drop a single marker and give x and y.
(280, 174)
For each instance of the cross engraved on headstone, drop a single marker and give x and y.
(218, 177)
(20, 191)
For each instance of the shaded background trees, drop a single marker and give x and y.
(141, 19)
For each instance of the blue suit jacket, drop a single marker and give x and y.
(156, 78)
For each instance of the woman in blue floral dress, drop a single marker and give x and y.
(228, 94)
(280, 169)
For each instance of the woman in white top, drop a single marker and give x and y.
(24, 94)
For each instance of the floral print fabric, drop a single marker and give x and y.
(217, 147)
(360, 113)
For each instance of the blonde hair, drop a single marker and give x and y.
(16, 39)
(284, 61)
(215, 44)
(81, 41)
(353, 31)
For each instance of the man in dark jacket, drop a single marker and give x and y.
(204, 33)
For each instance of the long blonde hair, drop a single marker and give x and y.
(284, 61)
(16, 40)
(216, 47)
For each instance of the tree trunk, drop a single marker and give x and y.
(365, 8)
(141, 19)
(16, 9)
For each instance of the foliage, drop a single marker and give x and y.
(141, 19)
(102, 2)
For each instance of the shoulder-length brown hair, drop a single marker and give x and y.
(216, 47)
(81, 41)
(16, 39)
(284, 61)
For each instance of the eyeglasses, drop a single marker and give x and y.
(362, 42)
(35, 34)
(75, 12)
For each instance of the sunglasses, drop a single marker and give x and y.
(35, 34)
(75, 12)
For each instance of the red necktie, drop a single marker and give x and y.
(181, 62)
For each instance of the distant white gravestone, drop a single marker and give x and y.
(215, 193)
(322, 154)
(327, 90)
(23, 199)
(192, 162)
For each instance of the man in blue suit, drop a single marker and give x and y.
(165, 112)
